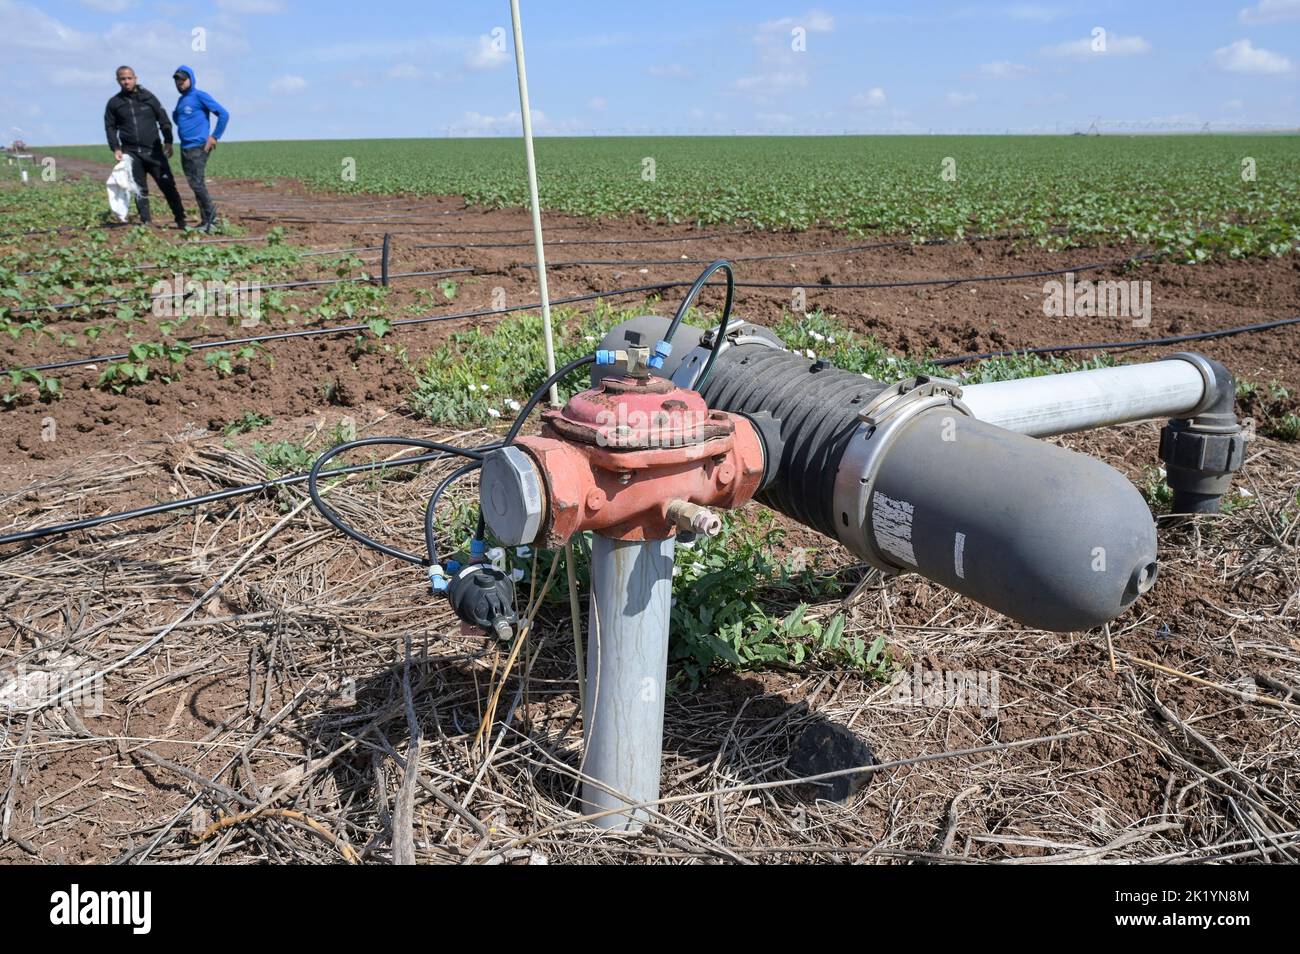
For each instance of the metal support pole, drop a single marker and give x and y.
(627, 666)
(526, 114)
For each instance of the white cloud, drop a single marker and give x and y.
(957, 100)
(1034, 12)
(771, 82)
(488, 55)
(1271, 11)
(814, 21)
(284, 85)
(405, 71)
(108, 6)
(672, 70)
(1005, 69)
(76, 78)
(1243, 57)
(1105, 44)
(251, 6)
(873, 98)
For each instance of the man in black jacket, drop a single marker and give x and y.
(132, 121)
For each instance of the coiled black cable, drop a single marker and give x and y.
(337, 522)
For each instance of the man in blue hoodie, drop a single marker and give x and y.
(192, 116)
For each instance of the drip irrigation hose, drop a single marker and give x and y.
(1121, 345)
(295, 283)
(232, 492)
(476, 453)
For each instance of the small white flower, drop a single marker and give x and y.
(1245, 492)
(831, 339)
(817, 337)
(493, 412)
(473, 389)
(811, 353)
(482, 387)
(589, 338)
(512, 404)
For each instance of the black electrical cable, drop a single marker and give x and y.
(541, 392)
(333, 518)
(214, 497)
(696, 286)
(430, 541)
(476, 454)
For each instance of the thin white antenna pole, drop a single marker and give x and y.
(526, 114)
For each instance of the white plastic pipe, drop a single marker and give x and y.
(527, 116)
(1079, 400)
(627, 667)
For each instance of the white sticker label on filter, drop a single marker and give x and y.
(891, 522)
(958, 551)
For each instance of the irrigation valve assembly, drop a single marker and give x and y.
(918, 475)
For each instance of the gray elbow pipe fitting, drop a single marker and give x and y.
(1202, 451)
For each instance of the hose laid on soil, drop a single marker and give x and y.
(312, 476)
(296, 283)
(592, 296)
(1121, 345)
(232, 492)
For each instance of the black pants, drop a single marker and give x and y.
(195, 163)
(154, 162)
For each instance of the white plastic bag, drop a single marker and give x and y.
(121, 186)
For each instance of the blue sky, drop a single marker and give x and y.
(298, 70)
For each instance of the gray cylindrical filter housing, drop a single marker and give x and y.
(1049, 537)
(1054, 539)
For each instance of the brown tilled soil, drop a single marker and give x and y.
(276, 701)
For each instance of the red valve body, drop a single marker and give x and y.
(618, 454)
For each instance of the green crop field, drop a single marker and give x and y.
(1202, 195)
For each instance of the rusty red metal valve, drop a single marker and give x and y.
(634, 458)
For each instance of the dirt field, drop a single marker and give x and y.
(278, 700)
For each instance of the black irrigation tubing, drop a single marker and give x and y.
(274, 286)
(778, 256)
(155, 266)
(1120, 345)
(353, 328)
(567, 242)
(232, 492)
(612, 293)
(911, 283)
(214, 497)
